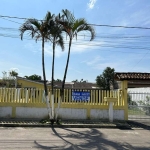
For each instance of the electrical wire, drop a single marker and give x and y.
(98, 25)
(140, 60)
(100, 46)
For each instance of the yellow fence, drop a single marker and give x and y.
(21, 95)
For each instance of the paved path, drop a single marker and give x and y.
(16, 138)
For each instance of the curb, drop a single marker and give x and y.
(108, 126)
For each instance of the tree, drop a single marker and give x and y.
(9, 79)
(13, 74)
(40, 30)
(56, 39)
(72, 27)
(58, 80)
(33, 77)
(106, 79)
(81, 81)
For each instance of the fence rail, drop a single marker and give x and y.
(139, 98)
(31, 95)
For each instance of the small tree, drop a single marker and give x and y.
(33, 77)
(106, 79)
(9, 78)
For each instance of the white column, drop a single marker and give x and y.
(111, 111)
(52, 100)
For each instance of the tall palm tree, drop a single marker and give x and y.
(40, 30)
(56, 39)
(72, 27)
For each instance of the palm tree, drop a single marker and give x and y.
(72, 27)
(56, 39)
(40, 30)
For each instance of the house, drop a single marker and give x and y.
(75, 85)
(135, 79)
(26, 83)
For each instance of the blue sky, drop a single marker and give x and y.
(125, 50)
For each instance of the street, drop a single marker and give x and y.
(16, 138)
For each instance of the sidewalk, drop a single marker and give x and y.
(73, 124)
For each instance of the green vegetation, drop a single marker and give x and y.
(9, 78)
(106, 79)
(50, 29)
(135, 111)
(33, 77)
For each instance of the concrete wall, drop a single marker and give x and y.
(5, 112)
(64, 113)
(103, 114)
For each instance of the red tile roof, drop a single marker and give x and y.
(131, 76)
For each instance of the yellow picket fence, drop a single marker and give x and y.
(36, 96)
(17, 98)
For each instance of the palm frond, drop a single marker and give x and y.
(81, 25)
(60, 42)
(30, 25)
(34, 22)
(66, 20)
(69, 16)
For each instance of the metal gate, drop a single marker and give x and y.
(138, 112)
(138, 105)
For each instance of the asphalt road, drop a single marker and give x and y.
(17, 138)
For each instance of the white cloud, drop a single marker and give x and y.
(130, 3)
(91, 4)
(93, 61)
(79, 46)
(103, 65)
(49, 52)
(82, 46)
(75, 70)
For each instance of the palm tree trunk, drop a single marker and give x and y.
(44, 77)
(52, 95)
(64, 79)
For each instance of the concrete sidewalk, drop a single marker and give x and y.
(75, 124)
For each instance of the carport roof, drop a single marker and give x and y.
(131, 76)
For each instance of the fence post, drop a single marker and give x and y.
(26, 96)
(124, 87)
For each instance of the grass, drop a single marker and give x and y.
(136, 111)
(47, 121)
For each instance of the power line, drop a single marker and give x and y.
(117, 26)
(118, 42)
(139, 60)
(108, 36)
(12, 17)
(99, 45)
(104, 34)
(99, 25)
(11, 21)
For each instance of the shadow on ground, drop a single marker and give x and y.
(145, 124)
(93, 139)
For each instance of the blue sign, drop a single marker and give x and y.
(78, 95)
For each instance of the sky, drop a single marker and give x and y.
(124, 49)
